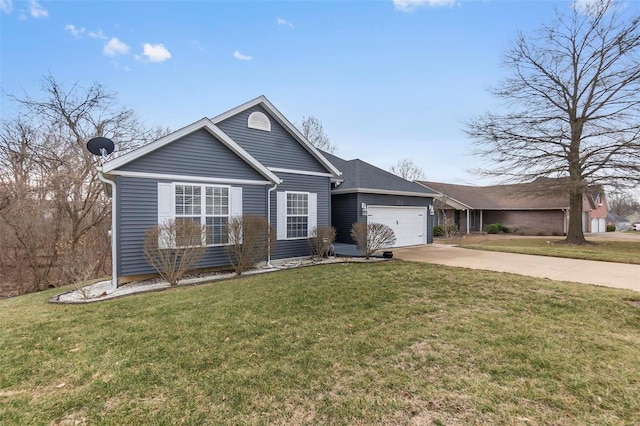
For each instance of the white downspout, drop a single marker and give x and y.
(114, 250)
(275, 185)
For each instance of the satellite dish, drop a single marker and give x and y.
(101, 146)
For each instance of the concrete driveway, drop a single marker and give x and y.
(616, 275)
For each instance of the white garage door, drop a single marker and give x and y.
(408, 223)
(598, 225)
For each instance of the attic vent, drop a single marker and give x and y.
(260, 121)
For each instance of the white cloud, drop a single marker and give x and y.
(282, 21)
(156, 52)
(76, 32)
(97, 34)
(6, 6)
(239, 56)
(409, 5)
(115, 47)
(37, 11)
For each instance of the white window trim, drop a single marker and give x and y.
(312, 214)
(203, 207)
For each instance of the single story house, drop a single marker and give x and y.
(535, 208)
(368, 194)
(248, 160)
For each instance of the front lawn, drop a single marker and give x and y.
(379, 343)
(603, 250)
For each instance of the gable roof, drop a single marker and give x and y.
(522, 196)
(360, 176)
(293, 131)
(205, 124)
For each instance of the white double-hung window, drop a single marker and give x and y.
(297, 214)
(210, 206)
(217, 215)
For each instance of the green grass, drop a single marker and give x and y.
(607, 251)
(379, 343)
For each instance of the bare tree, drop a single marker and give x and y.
(441, 206)
(572, 105)
(407, 169)
(48, 177)
(313, 130)
(371, 237)
(249, 238)
(174, 248)
(622, 202)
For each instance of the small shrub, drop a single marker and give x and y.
(496, 228)
(320, 241)
(438, 231)
(611, 228)
(451, 231)
(173, 248)
(493, 228)
(249, 238)
(371, 237)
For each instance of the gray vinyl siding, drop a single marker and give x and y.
(320, 185)
(344, 213)
(138, 211)
(276, 148)
(197, 154)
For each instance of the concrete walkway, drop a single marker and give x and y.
(616, 275)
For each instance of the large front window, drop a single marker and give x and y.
(214, 217)
(297, 215)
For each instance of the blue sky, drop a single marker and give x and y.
(389, 80)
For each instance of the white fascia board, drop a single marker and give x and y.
(186, 178)
(203, 123)
(283, 122)
(451, 202)
(299, 172)
(383, 192)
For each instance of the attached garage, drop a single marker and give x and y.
(408, 223)
(367, 194)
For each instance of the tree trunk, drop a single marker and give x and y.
(574, 233)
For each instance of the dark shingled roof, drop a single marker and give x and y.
(522, 196)
(359, 175)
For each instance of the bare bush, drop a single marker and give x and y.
(371, 237)
(249, 238)
(173, 248)
(320, 241)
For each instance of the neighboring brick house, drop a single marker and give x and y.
(529, 209)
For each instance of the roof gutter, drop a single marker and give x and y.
(114, 251)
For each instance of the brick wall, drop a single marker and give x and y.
(527, 222)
